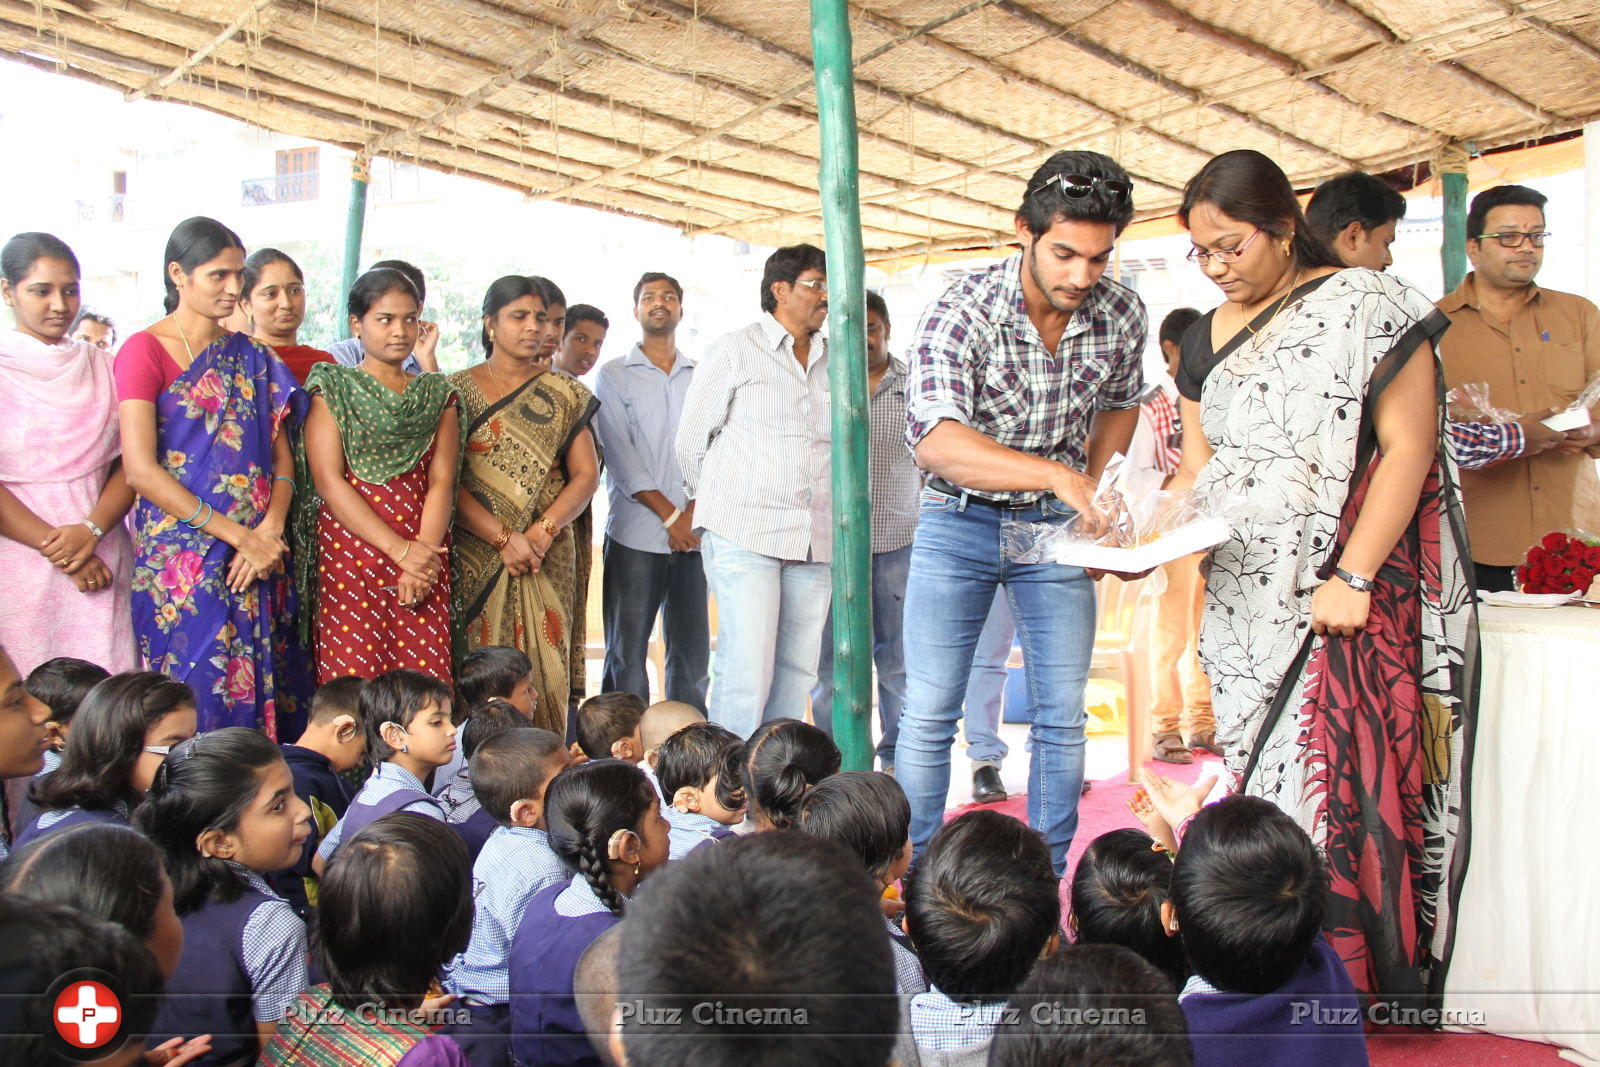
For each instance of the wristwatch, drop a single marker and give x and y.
(1354, 581)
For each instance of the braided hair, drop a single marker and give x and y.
(782, 759)
(584, 807)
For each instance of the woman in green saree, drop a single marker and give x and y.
(530, 469)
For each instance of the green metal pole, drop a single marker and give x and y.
(839, 184)
(1453, 253)
(355, 222)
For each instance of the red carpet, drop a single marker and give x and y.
(1105, 808)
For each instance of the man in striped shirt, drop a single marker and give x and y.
(754, 447)
(1025, 379)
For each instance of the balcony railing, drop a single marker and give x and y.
(279, 189)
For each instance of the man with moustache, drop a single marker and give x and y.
(652, 554)
(754, 446)
(1536, 348)
(1025, 380)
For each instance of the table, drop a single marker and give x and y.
(1527, 949)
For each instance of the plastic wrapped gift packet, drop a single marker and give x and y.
(1134, 525)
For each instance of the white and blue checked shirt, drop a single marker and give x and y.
(578, 899)
(908, 977)
(516, 862)
(274, 943)
(687, 831)
(385, 780)
(940, 1024)
(895, 480)
(755, 444)
(979, 360)
(460, 803)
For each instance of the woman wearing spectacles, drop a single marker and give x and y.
(1337, 612)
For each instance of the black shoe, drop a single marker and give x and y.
(1087, 785)
(986, 786)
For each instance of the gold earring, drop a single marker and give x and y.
(1288, 247)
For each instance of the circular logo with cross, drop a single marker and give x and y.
(87, 1011)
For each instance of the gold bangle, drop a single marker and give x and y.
(403, 554)
(544, 523)
(504, 539)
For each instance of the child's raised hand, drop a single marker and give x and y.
(1157, 826)
(177, 1051)
(1175, 801)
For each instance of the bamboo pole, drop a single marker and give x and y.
(839, 184)
(355, 222)
(1451, 163)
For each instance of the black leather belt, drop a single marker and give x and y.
(938, 484)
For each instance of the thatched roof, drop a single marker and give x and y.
(701, 113)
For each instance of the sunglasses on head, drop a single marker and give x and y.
(1078, 186)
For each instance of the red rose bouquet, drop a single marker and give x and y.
(1560, 563)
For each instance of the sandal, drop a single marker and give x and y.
(1169, 748)
(1206, 741)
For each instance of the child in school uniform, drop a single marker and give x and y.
(1118, 890)
(510, 773)
(120, 736)
(697, 771)
(780, 761)
(607, 726)
(605, 824)
(462, 809)
(1248, 895)
(406, 715)
(768, 925)
(982, 906)
(59, 684)
(395, 905)
(867, 812)
(332, 744)
(223, 810)
(23, 737)
(660, 721)
(491, 672)
(1093, 1004)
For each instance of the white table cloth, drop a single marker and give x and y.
(1527, 949)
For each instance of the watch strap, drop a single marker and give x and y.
(1354, 581)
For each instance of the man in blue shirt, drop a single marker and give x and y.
(652, 555)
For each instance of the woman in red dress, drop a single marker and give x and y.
(273, 298)
(382, 447)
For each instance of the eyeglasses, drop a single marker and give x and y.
(1078, 186)
(816, 285)
(1221, 255)
(1514, 238)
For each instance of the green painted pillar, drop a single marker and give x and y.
(1453, 253)
(355, 222)
(839, 184)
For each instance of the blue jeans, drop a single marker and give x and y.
(638, 586)
(986, 686)
(769, 630)
(956, 565)
(889, 572)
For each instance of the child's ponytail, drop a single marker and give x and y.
(782, 759)
(206, 783)
(585, 807)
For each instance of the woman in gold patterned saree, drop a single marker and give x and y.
(530, 469)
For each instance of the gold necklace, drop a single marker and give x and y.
(504, 391)
(1288, 293)
(183, 337)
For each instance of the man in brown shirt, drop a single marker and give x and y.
(1536, 348)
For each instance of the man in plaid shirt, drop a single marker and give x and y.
(1024, 380)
